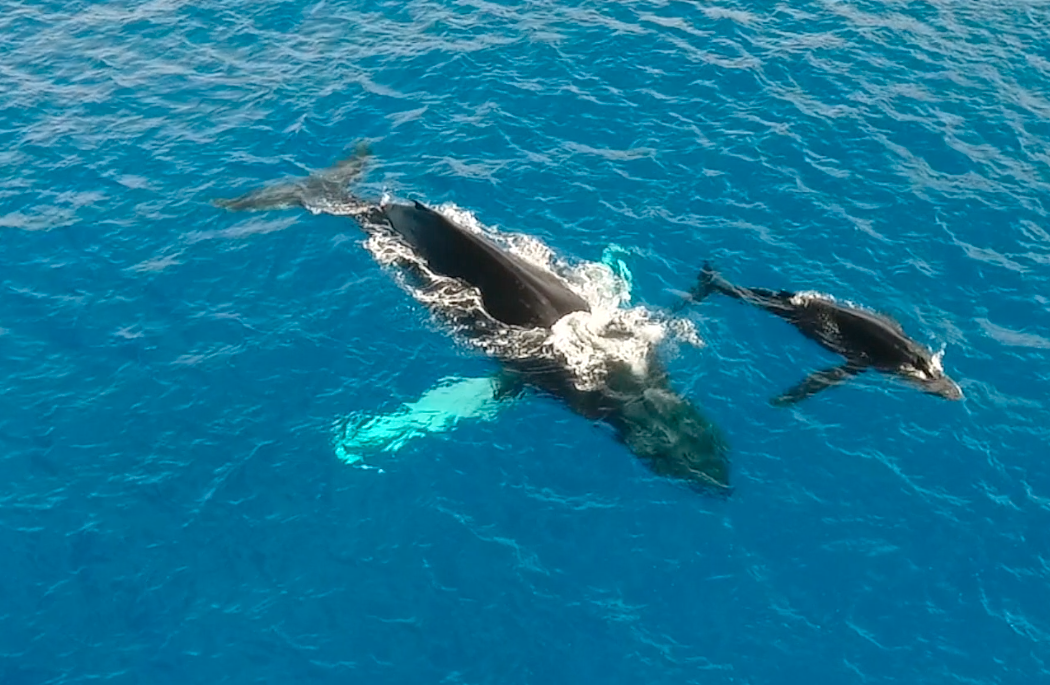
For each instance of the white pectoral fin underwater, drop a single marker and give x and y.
(440, 409)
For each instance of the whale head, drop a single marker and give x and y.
(667, 432)
(927, 374)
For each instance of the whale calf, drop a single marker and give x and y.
(516, 310)
(866, 339)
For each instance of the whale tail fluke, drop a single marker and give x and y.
(351, 167)
(706, 283)
(280, 196)
(318, 191)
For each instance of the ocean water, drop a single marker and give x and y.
(173, 510)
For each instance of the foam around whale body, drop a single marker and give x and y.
(587, 343)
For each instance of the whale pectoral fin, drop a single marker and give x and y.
(439, 410)
(817, 381)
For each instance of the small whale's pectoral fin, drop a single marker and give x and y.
(322, 188)
(817, 381)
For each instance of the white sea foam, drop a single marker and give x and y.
(805, 296)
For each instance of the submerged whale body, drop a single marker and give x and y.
(657, 424)
(866, 339)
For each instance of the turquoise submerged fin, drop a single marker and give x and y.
(438, 410)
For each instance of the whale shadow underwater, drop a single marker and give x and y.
(510, 307)
(867, 340)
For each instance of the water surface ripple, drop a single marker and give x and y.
(173, 509)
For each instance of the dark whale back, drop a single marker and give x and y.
(514, 292)
(855, 333)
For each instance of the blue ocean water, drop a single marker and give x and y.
(173, 510)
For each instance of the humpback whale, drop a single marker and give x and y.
(515, 310)
(866, 339)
